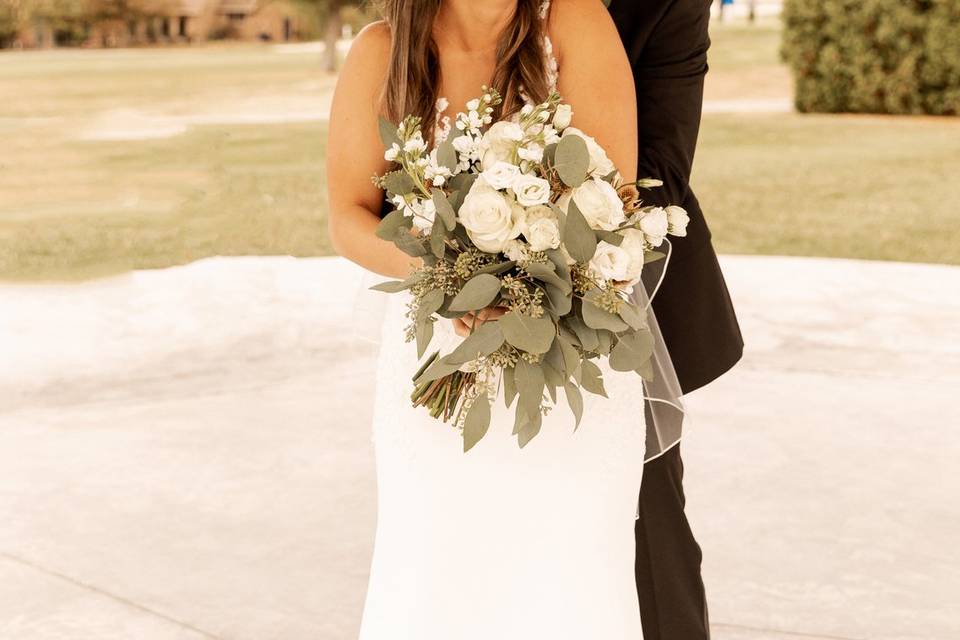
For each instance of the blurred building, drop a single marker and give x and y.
(143, 22)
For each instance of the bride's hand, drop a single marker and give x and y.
(469, 322)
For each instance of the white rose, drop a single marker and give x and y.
(600, 164)
(562, 117)
(541, 228)
(489, 218)
(599, 203)
(677, 220)
(633, 243)
(530, 190)
(501, 175)
(611, 262)
(655, 225)
(499, 142)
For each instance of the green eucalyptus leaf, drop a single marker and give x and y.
(559, 261)
(591, 378)
(653, 256)
(519, 419)
(438, 369)
(646, 370)
(392, 286)
(426, 363)
(560, 303)
(438, 237)
(571, 357)
(610, 237)
(509, 386)
(444, 210)
(389, 133)
(410, 245)
(572, 160)
(461, 184)
(529, 430)
(533, 335)
(398, 183)
(550, 153)
(424, 334)
(578, 237)
(477, 293)
(430, 303)
(530, 385)
(553, 379)
(575, 400)
(632, 351)
(633, 315)
(482, 342)
(477, 422)
(598, 318)
(496, 268)
(392, 224)
(606, 339)
(587, 336)
(554, 360)
(546, 273)
(447, 155)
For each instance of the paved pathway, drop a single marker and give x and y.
(185, 454)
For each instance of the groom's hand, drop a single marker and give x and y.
(466, 324)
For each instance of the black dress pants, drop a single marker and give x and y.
(673, 602)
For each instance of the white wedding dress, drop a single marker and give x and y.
(502, 543)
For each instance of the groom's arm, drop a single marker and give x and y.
(667, 43)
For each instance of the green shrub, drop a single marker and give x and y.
(874, 56)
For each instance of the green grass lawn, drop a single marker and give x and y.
(75, 205)
(842, 186)
(745, 62)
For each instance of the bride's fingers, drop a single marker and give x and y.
(460, 327)
(473, 319)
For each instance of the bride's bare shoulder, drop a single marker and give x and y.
(580, 25)
(373, 41)
(365, 67)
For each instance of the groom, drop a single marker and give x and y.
(667, 43)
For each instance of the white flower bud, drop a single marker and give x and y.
(562, 117)
(677, 220)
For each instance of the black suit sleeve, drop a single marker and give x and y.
(667, 43)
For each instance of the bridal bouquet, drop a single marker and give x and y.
(528, 214)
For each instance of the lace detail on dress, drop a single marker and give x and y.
(441, 124)
(552, 68)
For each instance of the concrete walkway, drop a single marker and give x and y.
(185, 454)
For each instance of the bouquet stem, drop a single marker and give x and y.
(444, 396)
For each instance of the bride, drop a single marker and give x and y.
(498, 543)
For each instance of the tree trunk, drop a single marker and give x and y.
(333, 31)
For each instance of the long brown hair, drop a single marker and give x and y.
(413, 79)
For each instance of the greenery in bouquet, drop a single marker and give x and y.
(530, 215)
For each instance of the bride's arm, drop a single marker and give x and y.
(355, 155)
(596, 79)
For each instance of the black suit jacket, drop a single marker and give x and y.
(667, 42)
